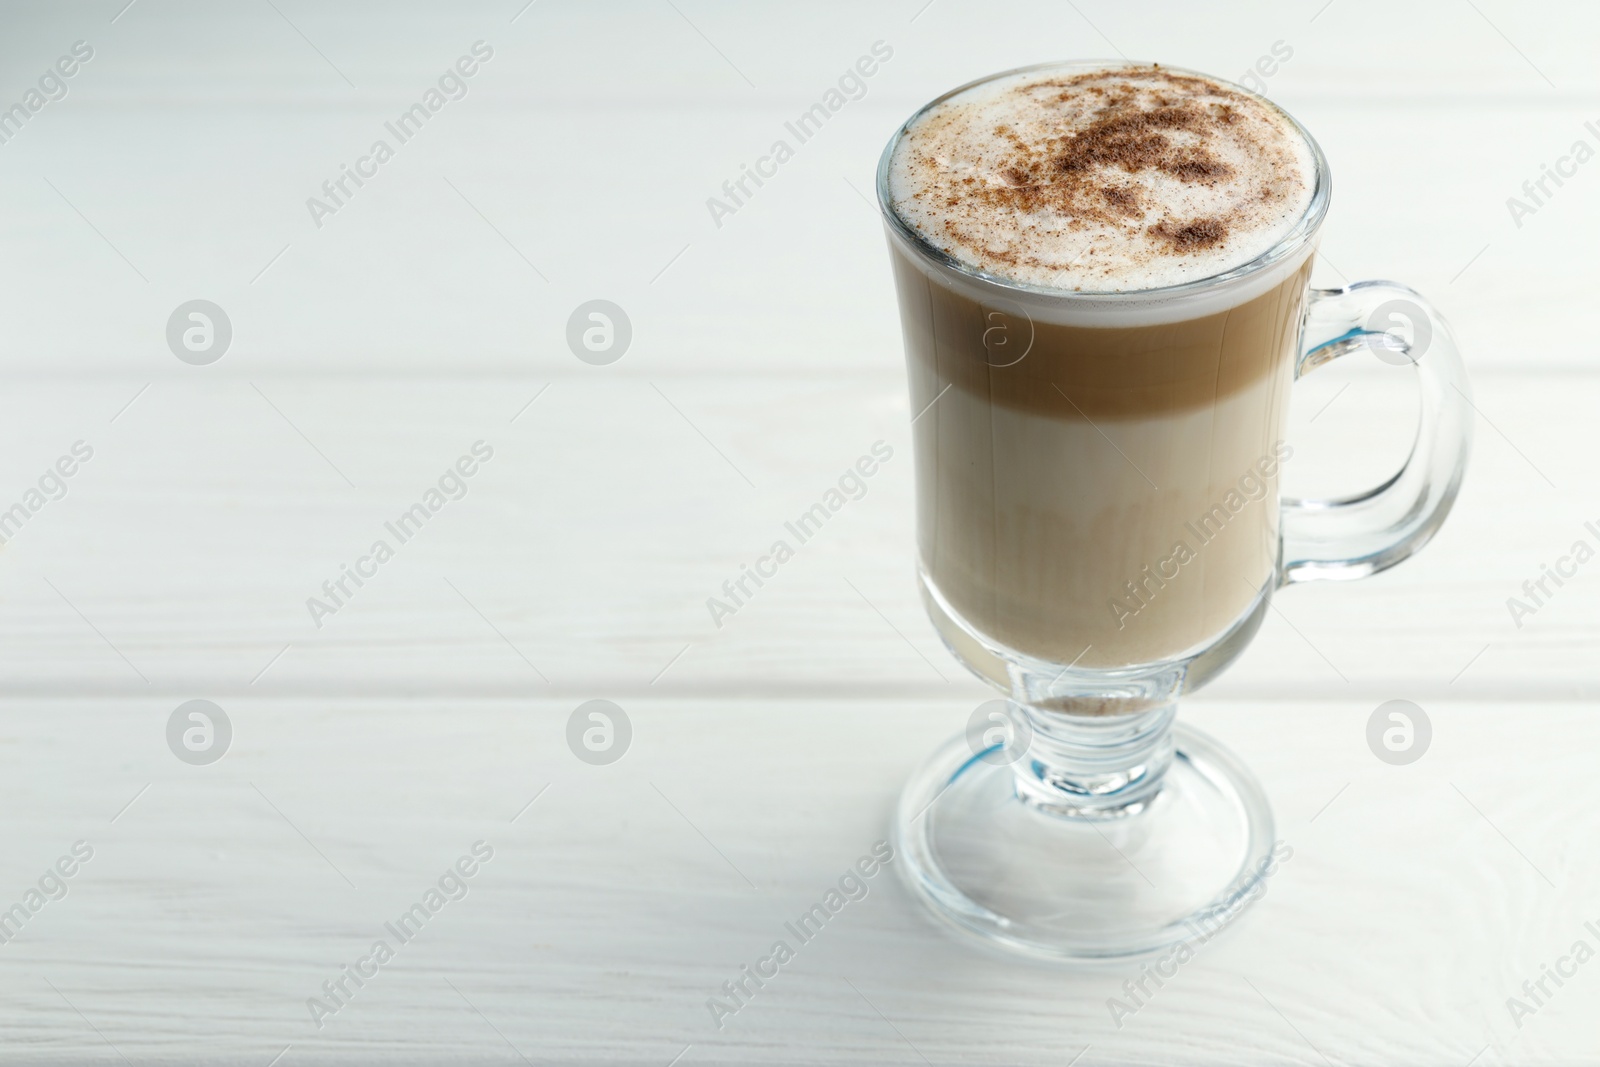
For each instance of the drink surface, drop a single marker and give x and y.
(1111, 179)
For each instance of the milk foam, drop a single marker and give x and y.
(1102, 180)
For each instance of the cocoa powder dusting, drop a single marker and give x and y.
(1201, 233)
(1142, 164)
(1067, 173)
(1123, 201)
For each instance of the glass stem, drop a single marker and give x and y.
(1094, 767)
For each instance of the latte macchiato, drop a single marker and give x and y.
(1098, 472)
(1102, 273)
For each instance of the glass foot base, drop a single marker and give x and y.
(1075, 890)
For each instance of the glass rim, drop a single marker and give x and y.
(1303, 230)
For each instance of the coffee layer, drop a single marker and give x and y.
(996, 351)
(1102, 180)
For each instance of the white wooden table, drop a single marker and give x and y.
(371, 753)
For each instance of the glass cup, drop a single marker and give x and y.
(1099, 532)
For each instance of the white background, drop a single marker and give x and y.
(369, 353)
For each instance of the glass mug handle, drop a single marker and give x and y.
(1352, 537)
